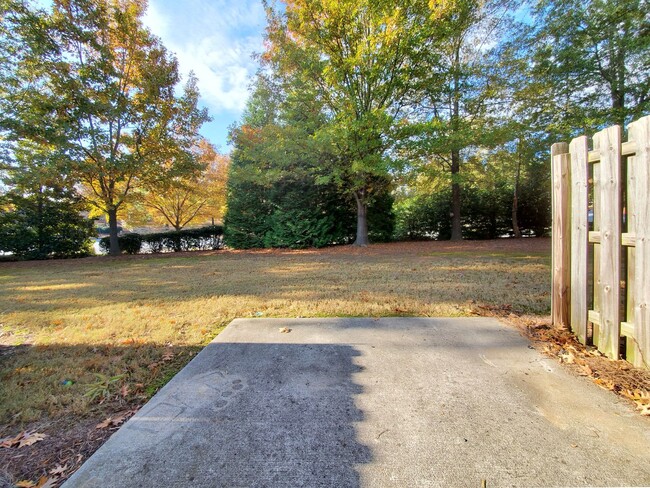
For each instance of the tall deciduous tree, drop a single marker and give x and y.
(590, 65)
(459, 98)
(105, 88)
(361, 56)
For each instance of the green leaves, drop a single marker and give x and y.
(98, 87)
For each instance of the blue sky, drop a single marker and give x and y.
(215, 39)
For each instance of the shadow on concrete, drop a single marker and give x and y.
(243, 414)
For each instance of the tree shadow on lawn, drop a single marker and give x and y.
(238, 415)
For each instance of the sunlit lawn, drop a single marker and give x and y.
(145, 317)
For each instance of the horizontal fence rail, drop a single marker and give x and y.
(601, 240)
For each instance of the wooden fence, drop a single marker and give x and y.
(601, 241)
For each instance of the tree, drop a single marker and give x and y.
(459, 94)
(360, 56)
(41, 214)
(179, 200)
(590, 65)
(102, 88)
(274, 199)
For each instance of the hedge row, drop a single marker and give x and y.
(203, 239)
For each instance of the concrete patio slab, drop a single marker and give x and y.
(374, 403)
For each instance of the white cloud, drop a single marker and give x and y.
(215, 39)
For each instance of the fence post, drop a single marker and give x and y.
(560, 233)
(608, 143)
(579, 151)
(639, 132)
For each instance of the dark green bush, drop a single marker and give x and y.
(203, 238)
(45, 225)
(130, 243)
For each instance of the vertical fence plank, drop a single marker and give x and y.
(640, 134)
(578, 150)
(596, 254)
(630, 207)
(560, 295)
(608, 143)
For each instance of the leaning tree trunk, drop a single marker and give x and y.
(114, 249)
(362, 219)
(456, 230)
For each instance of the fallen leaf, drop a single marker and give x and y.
(119, 420)
(113, 421)
(25, 484)
(30, 438)
(605, 383)
(59, 470)
(104, 424)
(168, 356)
(46, 482)
(124, 391)
(567, 357)
(285, 330)
(637, 395)
(585, 370)
(11, 441)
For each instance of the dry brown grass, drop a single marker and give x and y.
(144, 317)
(117, 316)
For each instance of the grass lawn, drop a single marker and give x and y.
(83, 339)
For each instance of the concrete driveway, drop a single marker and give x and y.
(363, 402)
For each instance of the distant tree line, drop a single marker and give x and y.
(368, 120)
(418, 119)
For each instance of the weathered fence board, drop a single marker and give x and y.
(560, 295)
(608, 142)
(640, 134)
(579, 149)
(621, 229)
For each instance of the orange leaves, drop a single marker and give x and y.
(641, 398)
(21, 440)
(116, 420)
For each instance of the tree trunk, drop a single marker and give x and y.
(456, 230)
(40, 223)
(515, 196)
(114, 249)
(362, 219)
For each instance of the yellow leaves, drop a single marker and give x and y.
(22, 440)
(440, 8)
(641, 398)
